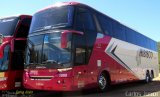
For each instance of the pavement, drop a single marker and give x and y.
(133, 89)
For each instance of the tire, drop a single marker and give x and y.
(148, 78)
(103, 82)
(151, 75)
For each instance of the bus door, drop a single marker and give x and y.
(19, 44)
(83, 45)
(80, 67)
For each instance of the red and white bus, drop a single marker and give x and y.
(13, 35)
(71, 46)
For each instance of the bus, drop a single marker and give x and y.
(72, 47)
(13, 39)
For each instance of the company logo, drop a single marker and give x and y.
(141, 53)
(145, 53)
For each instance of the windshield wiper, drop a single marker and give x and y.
(49, 62)
(43, 28)
(63, 63)
(30, 65)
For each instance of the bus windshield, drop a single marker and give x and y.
(52, 18)
(7, 26)
(45, 50)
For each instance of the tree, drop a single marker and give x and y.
(159, 52)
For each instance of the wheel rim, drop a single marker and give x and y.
(152, 75)
(102, 82)
(147, 79)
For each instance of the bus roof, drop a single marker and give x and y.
(81, 4)
(14, 16)
(59, 4)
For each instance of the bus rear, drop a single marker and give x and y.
(13, 34)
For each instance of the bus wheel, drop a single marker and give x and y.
(152, 75)
(148, 78)
(103, 82)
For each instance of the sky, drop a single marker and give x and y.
(141, 15)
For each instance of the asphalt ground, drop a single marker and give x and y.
(134, 89)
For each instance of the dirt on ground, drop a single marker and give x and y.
(157, 78)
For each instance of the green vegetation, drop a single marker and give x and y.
(159, 53)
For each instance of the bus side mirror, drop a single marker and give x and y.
(1, 39)
(1, 53)
(66, 37)
(64, 40)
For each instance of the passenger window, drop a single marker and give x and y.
(84, 20)
(119, 31)
(97, 24)
(155, 46)
(130, 36)
(106, 24)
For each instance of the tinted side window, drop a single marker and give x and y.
(106, 24)
(145, 42)
(155, 46)
(148, 43)
(119, 31)
(152, 45)
(8, 25)
(84, 20)
(138, 39)
(130, 36)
